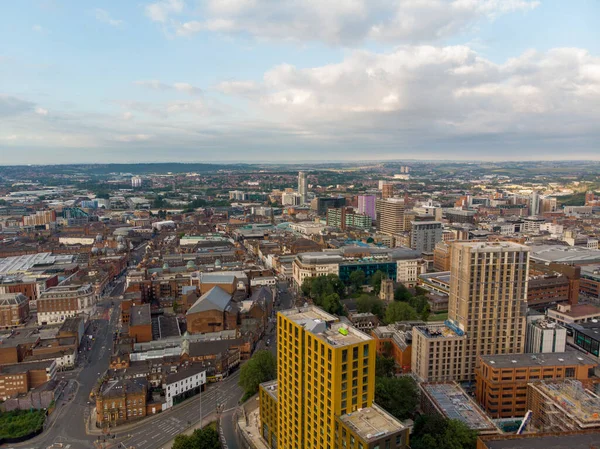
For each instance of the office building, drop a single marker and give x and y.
(399, 264)
(488, 299)
(302, 187)
(544, 336)
(425, 235)
(501, 380)
(136, 182)
(58, 303)
(291, 199)
(390, 215)
(534, 203)
(320, 205)
(366, 206)
(587, 336)
(323, 397)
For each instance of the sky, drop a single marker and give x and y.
(100, 81)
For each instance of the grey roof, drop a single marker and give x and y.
(140, 315)
(184, 373)
(262, 294)
(202, 348)
(564, 254)
(214, 278)
(574, 441)
(12, 299)
(215, 298)
(544, 359)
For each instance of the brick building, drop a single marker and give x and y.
(395, 341)
(212, 312)
(19, 378)
(58, 303)
(14, 309)
(120, 401)
(501, 380)
(140, 323)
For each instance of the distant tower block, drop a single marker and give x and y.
(387, 290)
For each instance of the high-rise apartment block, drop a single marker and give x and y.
(387, 190)
(486, 311)
(424, 235)
(390, 215)
(302, 186)
(488, 299)
(323, 397)
(366, 205)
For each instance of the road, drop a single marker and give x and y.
(67, 425)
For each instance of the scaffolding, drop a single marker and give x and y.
(565, 406)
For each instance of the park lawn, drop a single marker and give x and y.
(443, 316)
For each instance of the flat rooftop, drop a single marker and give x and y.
(579, 310)
(140, 315)
(454, 403)
(436, 331)
(569, 358)
(372, 423)
(494, 246)
(271, 388)
(533, 441)
(564, 254)
(325, 326)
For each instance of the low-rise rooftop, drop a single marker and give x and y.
(437, 331)
(569, 358)
(572, 398)
(451, 401)
(140, 315)
(372, 423)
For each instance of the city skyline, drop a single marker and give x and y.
(176, 80)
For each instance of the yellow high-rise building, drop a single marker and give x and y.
(325, 373)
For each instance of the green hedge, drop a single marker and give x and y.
(20, 423)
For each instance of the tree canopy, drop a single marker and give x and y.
(401, 293)
(262, 367)
(370, 304)
(398, 395)
(384, 366)
(206, 438)
(325, 291)
(358, 279)
(399, 311)
(435, 431)
(375, 280)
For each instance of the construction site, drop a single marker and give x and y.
(563, 406)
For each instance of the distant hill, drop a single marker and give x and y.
(136, 169)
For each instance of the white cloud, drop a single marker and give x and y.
(38, 28)
(41, 111)
(187, 88)
(242, 88)
(134, 138)
(161, 10)
(127, 115)
(180, 87)
(346, 22)
(104, 17)
(11, 106)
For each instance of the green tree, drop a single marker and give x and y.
(370, 304)
(398, 395)
(262, 367)
(206, 438)
(357, 279)
(424, 315)
(435, 431)
(401, 293)
(418, 303)
(385, 366)
(399, 311)
(158, 202)
(331, 304)
(375, 280)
